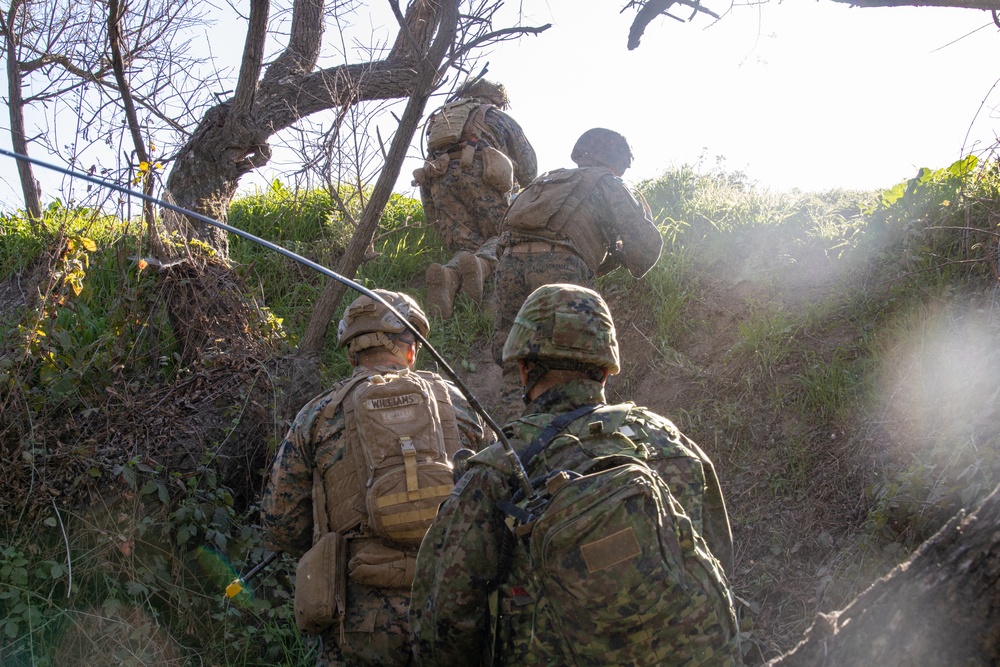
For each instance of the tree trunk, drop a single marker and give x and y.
(232, 138)
(326, 306)
(15, 110)
(942, 607)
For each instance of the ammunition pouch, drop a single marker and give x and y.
(433, 168)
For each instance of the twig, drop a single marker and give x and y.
(502, 35)
(69, 559)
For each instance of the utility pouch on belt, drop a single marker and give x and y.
(321, 575)
(432, 169)
(382, 566)
(468, 153)
(321, 585)
(498, 170)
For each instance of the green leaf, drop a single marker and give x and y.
(50, 522)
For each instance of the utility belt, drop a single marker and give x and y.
(437, 165)
(324, 571)
(498, 170)
(534, 247)
(464, 152)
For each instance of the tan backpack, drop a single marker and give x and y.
(457, 122)
(551, 199)
(402, 430)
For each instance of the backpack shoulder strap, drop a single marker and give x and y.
(552, 430)
(343, 391)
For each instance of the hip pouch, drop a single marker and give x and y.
(382, 566)
(498, 170)
(321, 585)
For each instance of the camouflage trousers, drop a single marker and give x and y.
(465, 211)
(375, 632)
(517, 276)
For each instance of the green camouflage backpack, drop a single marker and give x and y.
(605, 567)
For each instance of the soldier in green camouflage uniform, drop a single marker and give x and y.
(602, 225)
(465, 204)
(453, 616)
(374, 631)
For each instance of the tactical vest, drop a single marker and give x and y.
(401, 430)
(456, 123)
(548, 209)
(606, 568)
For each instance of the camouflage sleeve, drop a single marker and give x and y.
(286, 509)
(458, 559)
(472, 428)
(430, 208)
(632, 226)
(517, 147)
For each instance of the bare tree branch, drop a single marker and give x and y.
(964, 4)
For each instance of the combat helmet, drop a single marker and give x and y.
(484, 89)
(564, 326)
(368, 323)
(602, 146)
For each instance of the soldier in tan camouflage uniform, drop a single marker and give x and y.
(564, 345)
(465, 185)
(374, 629)
(569, 226)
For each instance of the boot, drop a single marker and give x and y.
(442, 284)
(474, 271)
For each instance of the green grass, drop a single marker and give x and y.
(764, 339)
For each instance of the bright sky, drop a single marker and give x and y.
(808, 95)
(814, 95)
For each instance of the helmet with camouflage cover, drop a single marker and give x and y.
(602, 146)
(368, 323)
(484, 89)
(564, 326)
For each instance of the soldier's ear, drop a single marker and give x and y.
(524, 369)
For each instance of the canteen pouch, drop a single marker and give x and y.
(498, 170)
(321, 585)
